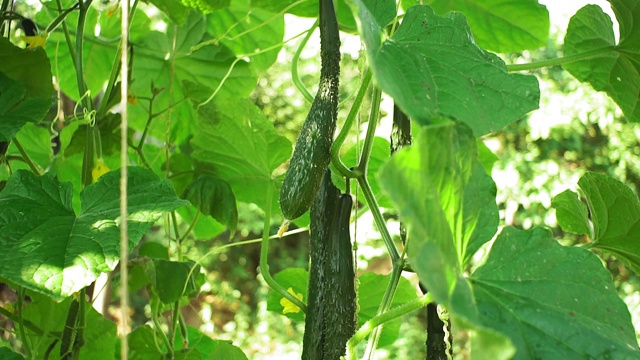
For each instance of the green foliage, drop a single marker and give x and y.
(575, 312)
(414, 66)
(242, 135)
(607, 66)
(498, 25)
(210, 114)
(46, 247)
(614, 211)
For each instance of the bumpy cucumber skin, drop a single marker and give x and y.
(340, 296)
(313, 148)
(331, 305)
(323, 211)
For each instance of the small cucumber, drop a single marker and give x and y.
(340, 295)
(313, 148)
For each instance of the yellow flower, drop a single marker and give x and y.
(290, 307)
(36, 41)
(99, 169)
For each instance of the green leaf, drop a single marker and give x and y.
(205, 228)
(572, 214)
(36, 141)
(614, 69)
(486, 157)
(502, 25)
(8, 354)
(16, 109)
(416, 68)
(109, 128)
(615, 213)
(141, 342)
(97, 59)
(440, 178)
(553, 302)
(203, 347)
(165, 70)
(99, 334)
(371, 289)
(245, 31)
(246, 151)
(298, 280)
(175, 10)
(214, 197)
(45, 247)
(31, 68)
(172, 279)
(207, 6)
(380, 153)
(308, 8)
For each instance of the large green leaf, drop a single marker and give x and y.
(16, 109)
(431, 67)
(29, 67)
(97, 57)
(99, 334)
(440, 178)
(553, 302)
(45, 247)
(159, 65)
(172, 279)
(615, 213)
(214, 197)
(245, 31)
(243, 148)
(500, 25)
(571, 213)
(607, 66)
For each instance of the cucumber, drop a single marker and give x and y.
(323, 212)
(340, 295)
(331, 304)
(69, 332)
(313, 148)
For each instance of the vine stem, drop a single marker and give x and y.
(561, 60)
(26, 158)
(264, 252)
(294, 64)
(378, 320)
(124, 160)
(336, 161)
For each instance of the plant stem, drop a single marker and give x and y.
(367, 327)
(34, 168)
(346, 127)
(371, 130)
(115, 70)
(561, 60)
(264, 253)
(80, 324)
(23, 335)
(294, 64)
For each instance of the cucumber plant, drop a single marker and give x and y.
(194, 146)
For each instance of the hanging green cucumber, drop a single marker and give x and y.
(313, 148)
(340, 295)
(323, 211)
(331, 305)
